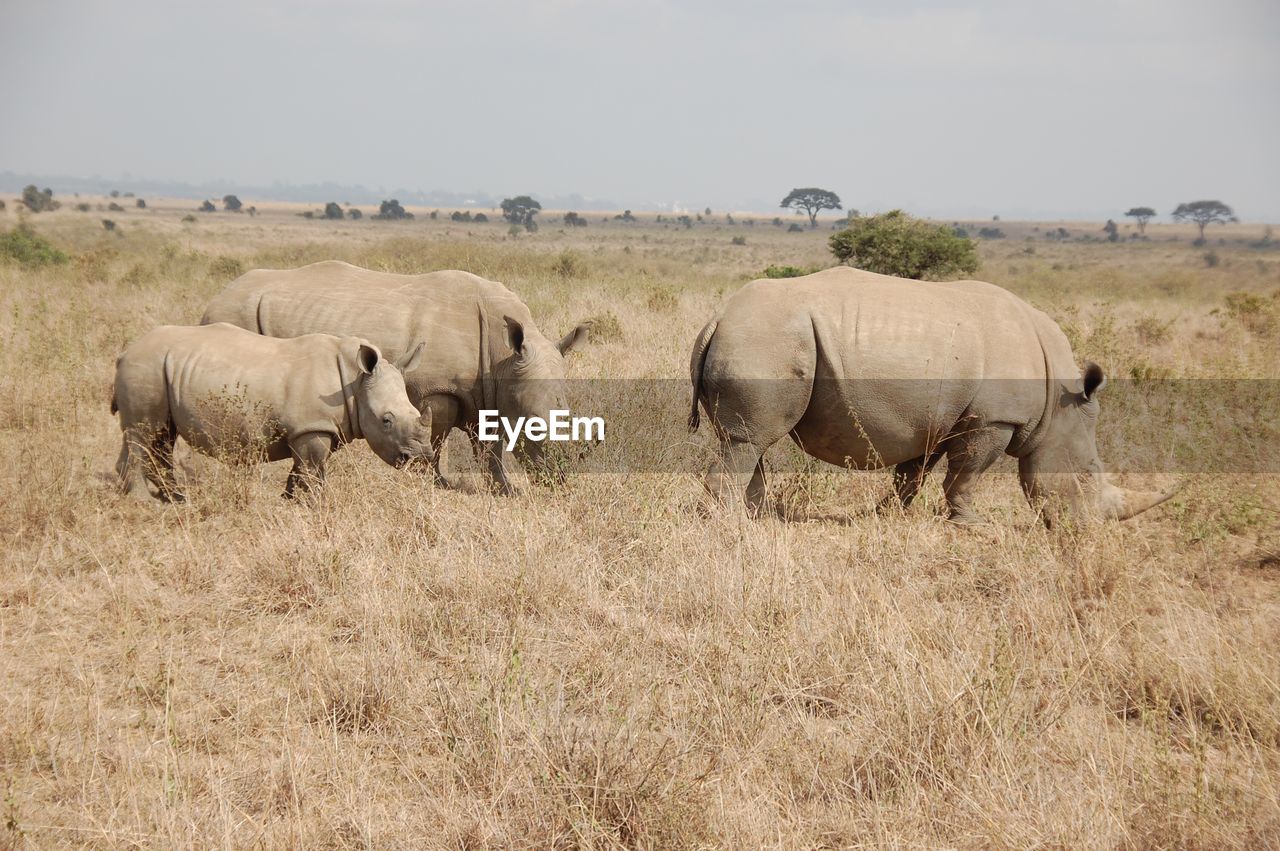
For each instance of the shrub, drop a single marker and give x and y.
(435, 214)
(1211, 259)
(108, 225)
(38, 200)
(626, 216)
(207, 207)
(354, 213)
(24, 246)
(795, 228)
(568, 264)
(772, 271)
(605, 327)
(738, 240)
(391, 209)
(663, 299)
(573, 220)
(895, 243)
(226, 268)
(140, 204)
(332, 210)
(115, 208)
(990, 233)
(188, 218)
(479, 217)
(83, 207)
(460, 217)
(231, 203)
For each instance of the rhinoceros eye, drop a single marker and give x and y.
(388, 420)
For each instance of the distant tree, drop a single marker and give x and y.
(207, 207)
(687, 221)
(1112, 230)
(115, 193)
(354, 213)
(457, 216)
(140, 204)
(1142, 215)
(332, 210)
(707, 212)
(573, 220)
(231, 203)
(107, 224)
(434, 214)
(128, 194)
(895, 243)
(626, 216)
(812, 201)
(990, 233)
(479, 217)
(115, 208)
(1204, 213)
(1, 204)
(84, 206)
(392, 210)
(38, 200)
(521, 210)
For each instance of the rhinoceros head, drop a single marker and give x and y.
(392, 426)
(1064, 474)
(531, 381)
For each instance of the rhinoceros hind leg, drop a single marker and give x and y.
(968, 457)
(310, 451)
(739, 470)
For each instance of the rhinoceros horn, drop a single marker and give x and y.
(1121, 504)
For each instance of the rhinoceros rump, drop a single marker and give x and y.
(865, 371)
(483, 350)
(232, 393)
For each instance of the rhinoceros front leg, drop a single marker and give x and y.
(445, 416)
(310, 451)
(908, 477)
(969, 456)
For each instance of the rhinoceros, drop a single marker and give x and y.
(866, 371)
(235, 394)
(483, 350)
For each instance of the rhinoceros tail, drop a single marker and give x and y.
(695, 370)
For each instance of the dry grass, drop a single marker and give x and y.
(599, 666)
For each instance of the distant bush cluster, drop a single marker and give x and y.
(392, 209)
(38, 200)
(573, 220)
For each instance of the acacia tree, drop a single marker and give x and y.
(1204, 213)
(520, 210)
(812, 200)
(231, 203)
(1141, 215)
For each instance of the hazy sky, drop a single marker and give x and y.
(1064, 108)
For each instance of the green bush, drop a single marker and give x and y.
(25, 247)
(895, 243)
(787, 271)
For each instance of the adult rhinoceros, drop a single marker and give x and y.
(865, 371)
(483, 350)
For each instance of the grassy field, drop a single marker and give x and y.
(599, 665)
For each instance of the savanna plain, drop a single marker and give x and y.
(599, 663)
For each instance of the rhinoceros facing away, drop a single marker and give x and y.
(229, 392)
(865, 371)
(483, 350)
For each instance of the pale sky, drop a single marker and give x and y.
(1044, 109)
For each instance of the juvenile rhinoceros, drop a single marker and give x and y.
(230, 392)
(865, 371)
(483, 350)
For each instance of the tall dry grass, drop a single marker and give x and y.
(598, 665)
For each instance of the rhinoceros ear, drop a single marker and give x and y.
(574, 338)
(410, 362)
(515, 335)
(367, 358)
(1094, 380)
